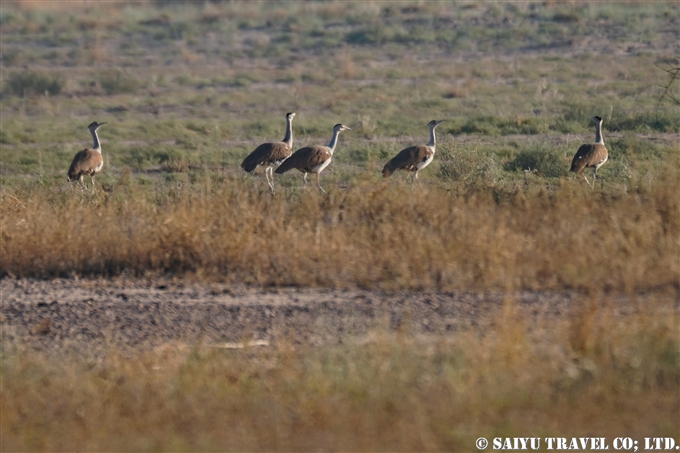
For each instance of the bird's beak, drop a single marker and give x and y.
(348, 128)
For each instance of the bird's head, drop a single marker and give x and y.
(597, 119)
(341, 127)
(94, 126)
(290, 116)
(432, 124)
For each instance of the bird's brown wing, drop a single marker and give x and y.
(266, 154)
(588, 155)
(305, 159)
(280, 152)
(407, 159)
(317, 156)
(85, 162)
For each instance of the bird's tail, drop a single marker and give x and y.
(285, 166)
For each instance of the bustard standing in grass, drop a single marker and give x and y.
(313, 159)
(414, 158)
(592, 154)
(88, 161)
(271, 154)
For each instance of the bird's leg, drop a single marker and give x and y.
(268, 173)
(591, 185)
(83, 186)
(92, 177)
(318, 183)
(415, 178)
(594, 176)
(304, 179)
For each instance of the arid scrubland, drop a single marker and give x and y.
(188, 90)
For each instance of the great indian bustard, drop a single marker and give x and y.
(271, 154)
(414, 158)
(88, 161)
(591, 155)
(313, 159)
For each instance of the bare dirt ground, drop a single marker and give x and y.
(98, 314)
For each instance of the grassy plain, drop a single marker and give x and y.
(189, 89)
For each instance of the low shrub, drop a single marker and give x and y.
(542, 158)
(118, 83)
(497, 125)
(33, 83)
(471, 166)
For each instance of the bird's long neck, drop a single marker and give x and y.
(433, 139)
(598, 133)
(97, 146)
(288, 139)
(334, 140)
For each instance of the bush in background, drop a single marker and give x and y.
(651, 121)
(33, 83)
(118, 83)
(542, 158)
(469, 165)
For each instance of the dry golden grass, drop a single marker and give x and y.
(370, 235)
(591, 372)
